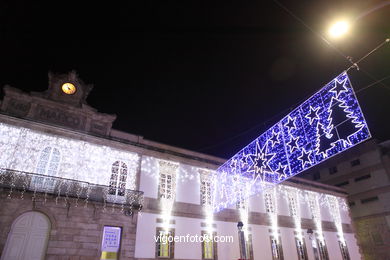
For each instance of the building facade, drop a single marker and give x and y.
(364, 173)
(74, 188)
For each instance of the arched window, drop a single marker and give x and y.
(118, 179)
(49, 161)
(48, 164)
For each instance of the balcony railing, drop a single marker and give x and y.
(42, 185)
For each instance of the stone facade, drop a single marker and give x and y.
(76, 232)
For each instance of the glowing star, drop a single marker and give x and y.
(313, 114)
(274, 139)
(233, 164)
(290, 123)
(244, 161)
(260, 160)
(305, 157)
(339, 87)
(293, 144)
(281, 172)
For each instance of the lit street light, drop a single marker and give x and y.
(339, 29)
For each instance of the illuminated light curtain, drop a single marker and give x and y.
(118, 179)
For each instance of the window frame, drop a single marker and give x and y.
(43, 182)
(355, 162)
(302, 250)
(205, 191)
(214, 246)
(279, 247)
(344, 251)
(333, 170)
(171, 245)
(322, 249)
(115, 185)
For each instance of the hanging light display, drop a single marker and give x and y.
(326, 124)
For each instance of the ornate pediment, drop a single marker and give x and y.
(63, 104)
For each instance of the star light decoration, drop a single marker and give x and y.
(327, 123)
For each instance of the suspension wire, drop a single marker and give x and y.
(264, 123)
(373, 84)
(348, 58)
(355, 64)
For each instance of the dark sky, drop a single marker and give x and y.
(207, 76)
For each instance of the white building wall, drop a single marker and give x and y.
(80, 160)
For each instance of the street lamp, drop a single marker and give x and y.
(339, 29)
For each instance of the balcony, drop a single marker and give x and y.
(42, 186)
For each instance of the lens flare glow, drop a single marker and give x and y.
(339, 29)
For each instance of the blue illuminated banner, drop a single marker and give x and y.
(328, 123)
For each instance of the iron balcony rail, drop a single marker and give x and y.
(40, 184)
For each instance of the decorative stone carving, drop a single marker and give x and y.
(50, 106)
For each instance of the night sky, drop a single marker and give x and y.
(206, 76)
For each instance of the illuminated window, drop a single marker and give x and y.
(118, 179)
(276, 248)
(167, 180)
(165, 243)
(293, 206)
(48, 164)
(205, 191)
(166, 186)
(269, 202)
(209, 248)
(301, 249)
(249, 247)
(344, 251)
(242, 202)
(323, 252)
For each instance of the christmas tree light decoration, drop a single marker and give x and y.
(326, 124)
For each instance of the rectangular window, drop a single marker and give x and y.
(276, 249)
(323, 251)
(316, 176)
(165, 190)
(165, 243)
(364, 177)
(333, 170)
(269, 202)
(241, 200)
(205, 192)
(355, 162)
(301, 249)
(249, 247)
(371, 199)
(342, 184)
(344, 251)
(209, 247)
(167, 181)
